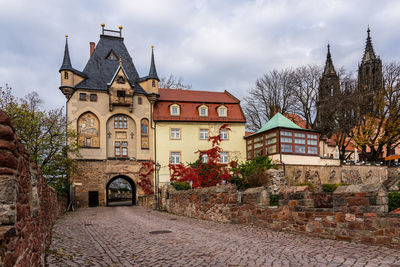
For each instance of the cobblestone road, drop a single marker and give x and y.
(120, 236)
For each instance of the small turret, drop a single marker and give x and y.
(69, 76)
(329, 68)
(150, 82)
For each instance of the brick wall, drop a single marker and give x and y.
(28, 206)
(355, 213)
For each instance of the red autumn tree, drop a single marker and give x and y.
(204, 174)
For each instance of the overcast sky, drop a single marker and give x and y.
(213, 45)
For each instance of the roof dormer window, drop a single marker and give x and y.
(222, 111)
(112, 56)
(203, 111)
(174, 110)
(121, 80)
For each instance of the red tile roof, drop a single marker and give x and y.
(181, 95)
(297, 119)
(248, 133)
(396, 211)
(190, 100)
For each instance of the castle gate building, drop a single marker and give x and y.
(110, 107)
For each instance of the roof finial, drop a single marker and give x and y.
(66, 36)
(102, 28)
(120, 61)
(368, 31)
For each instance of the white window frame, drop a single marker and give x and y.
(174, 108)
(175, 157)
(204, 134)
(203, 111)
(222, 112)
(223, 157)
(224, 134)
(175, 134)
(204, 158)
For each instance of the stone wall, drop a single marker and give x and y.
(355, 213)
(352, 174)
(28, 206)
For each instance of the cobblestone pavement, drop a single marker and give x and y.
(120, 236)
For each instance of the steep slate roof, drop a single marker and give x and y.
(152, 71)
(66, 65)
(279, 121)
(100, 70)
(190, 100)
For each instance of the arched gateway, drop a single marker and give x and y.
(120, 190)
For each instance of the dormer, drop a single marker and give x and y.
(174, 110)
(120, 90)
(203, 111)
(150, 82)
(222, 111)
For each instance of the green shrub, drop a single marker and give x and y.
(310, 185)
(331, 187)
(181, 185)
(394, 200)
(252, 173)
(274, 200)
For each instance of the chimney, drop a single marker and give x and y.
(91, 48)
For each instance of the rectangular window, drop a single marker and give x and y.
(300, 149)
(223, 157)
(117, 147)
(204, 158)
(121, 149)
(224, 134)
(120, 122)
(250, 147)
(88, 142)
(175, 133)
(203, 111)
(174, 110)
(203, 134)
(285, 133)
(175, 157)
(271, 141)
(270, 135)
(222, 112)
(299, 135)
(257, 145)
(82, 97)
(312, 150)
(249, 155)
(286, 148)
(271, 149)
(258, 152)
(311, 136)
(286, 139)
(121, 93)
(299, 141)
(93, 97)
(312, 142)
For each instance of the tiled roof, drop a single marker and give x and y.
(278, 121)
(396, 211)
(248, 133)
(181, 95)
(297, 119)
(190, 100)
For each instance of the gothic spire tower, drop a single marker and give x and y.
(329, 90)
(370, 80)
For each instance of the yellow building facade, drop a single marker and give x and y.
(123, 120)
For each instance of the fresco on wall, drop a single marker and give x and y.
(145, 133)
(88, 130)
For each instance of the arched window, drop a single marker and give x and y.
(153, 83)
(88, 130)
(144, 133)
(66, 75)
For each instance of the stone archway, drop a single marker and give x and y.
(114, 195)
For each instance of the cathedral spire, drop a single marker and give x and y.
(329, 69)
(369, 49)
(152, 71)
